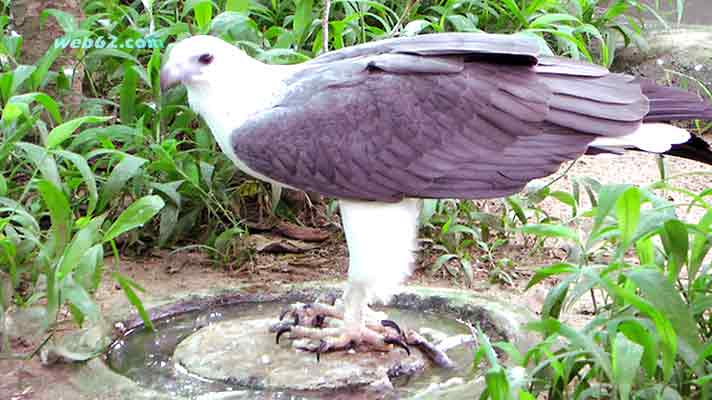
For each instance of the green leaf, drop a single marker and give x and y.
(42, 161)
(634, 330)
(127, 285)
(89, 180)
(225, 22)
(551, 230)
(137, 214)
(62, 132)
(625, 360)
(701, 244)
(237, 5)
(607, 197)
(676, 243)
(302, 17)
(126, 169)
(47, 102)
(43, 65)
(116, 53)
(77, 296)
(19, 76)
(497, 383)
(550, 19)
(3, 185)
(80, 244)
(59, 211)
(555, 269)
(127, 110)
(628, 215)
(554, 300)
(666, 299)
(65, 20)
(89, 271)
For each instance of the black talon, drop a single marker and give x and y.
(398, 343)
(283, 313)
(282, 330)
(319, 321)
(390, 324)
(320, 349)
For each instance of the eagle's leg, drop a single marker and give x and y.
(381, 238)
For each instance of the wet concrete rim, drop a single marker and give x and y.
(502, 321)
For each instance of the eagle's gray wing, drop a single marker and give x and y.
(446, 124)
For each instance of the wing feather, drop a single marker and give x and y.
(428, 117)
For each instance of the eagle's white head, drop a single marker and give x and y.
(225, 85)
(200, 61)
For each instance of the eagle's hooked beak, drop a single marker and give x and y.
(170, 76)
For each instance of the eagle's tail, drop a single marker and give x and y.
(655, 135)
(670, 104)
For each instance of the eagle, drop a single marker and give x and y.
(380, 125)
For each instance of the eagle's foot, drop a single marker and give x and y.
(321, 315)
(318, 340)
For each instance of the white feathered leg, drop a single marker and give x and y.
(381, 239)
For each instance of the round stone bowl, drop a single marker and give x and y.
(216, 354)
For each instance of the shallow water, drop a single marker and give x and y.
(147, 358)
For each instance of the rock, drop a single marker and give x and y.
(243, 352)
(687, 50)
(80, 345)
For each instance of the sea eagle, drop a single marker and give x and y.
(383, 124)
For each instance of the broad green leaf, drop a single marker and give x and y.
(127, 285)
(628, 215)
(664, 328)
(116, 53)
(62, 132)
(607, 197)
(625, 360)
(3, 185)
(551, 230)
(302, 17)
(137, 214)
(43, 161)
(413, 28)
(203, 14)
(127, 110)
(666, 299)
(87, 175)
(126, 169)
(237, 5)
(225, 22)
(47, 102)
(88, 272)
(644, 336)
(701, 244)
(59, 211)
(78, 247)
(77, 296)
(497, 383)
(547, 20)
(19, 76)
(555, 269)
(43, 65)
(65, 20)
(554, 300)
(676, 243)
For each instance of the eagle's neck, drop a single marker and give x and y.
(229, 100)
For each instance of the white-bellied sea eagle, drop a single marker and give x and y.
(380, 125)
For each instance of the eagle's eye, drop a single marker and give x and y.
(206, 59)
